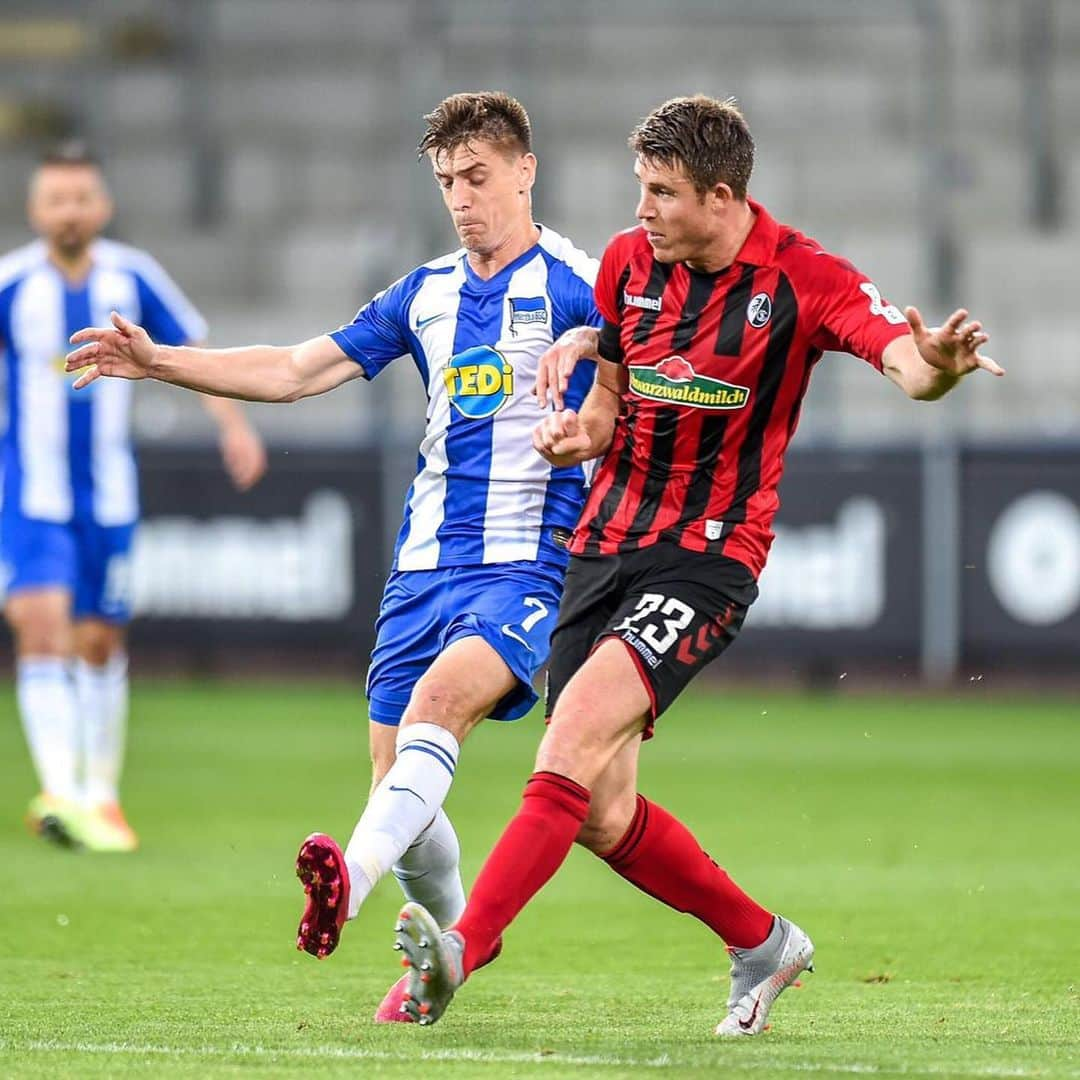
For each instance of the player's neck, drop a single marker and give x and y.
(74, 266)
(721, 253)
(486, 264)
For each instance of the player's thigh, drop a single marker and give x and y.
(463, 685)
(103, 581)
(508, 612)
(680, 611)
(590, 597)
(39, 570)
(40, 620)
(603, 708)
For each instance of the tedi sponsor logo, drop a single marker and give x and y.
(674, 379)
(479, 381)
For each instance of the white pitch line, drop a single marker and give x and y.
(515, 1057)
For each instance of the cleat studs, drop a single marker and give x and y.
(425, 978)
(426, 965)
(405, 962)
(425, 1009)
(305, 927)
(300, 944)
(331, 901)
(423, 943)
(403, 1008)
(398, 928)
(404, 916)
(424, 1021)
(398, 946)
(324, 938)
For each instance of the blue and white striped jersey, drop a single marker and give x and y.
(482, 494)
(67, 454)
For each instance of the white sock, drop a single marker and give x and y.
(430, 871)
(47, 707)
(102, 694)
(401, 807)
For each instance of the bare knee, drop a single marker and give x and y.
(95, 642)
(439, 699)
(607, 823)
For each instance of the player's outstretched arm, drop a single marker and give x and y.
(558, 363)
(569, 438)
(929, 362)
(253, 373)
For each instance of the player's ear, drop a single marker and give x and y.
(526, 172)
(722, 195)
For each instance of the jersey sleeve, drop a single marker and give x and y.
(612, 264)
(572, 299)
(378, 333)
(851, 314)
(167, 315)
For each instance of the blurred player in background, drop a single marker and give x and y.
(70, 495)
(470, 604)
(714, 317)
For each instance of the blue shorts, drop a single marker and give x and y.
(512, 606)
(91, 561)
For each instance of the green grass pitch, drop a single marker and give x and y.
(930, 846)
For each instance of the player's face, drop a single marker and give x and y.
(681, 224)
(486, 189)
(68, 206)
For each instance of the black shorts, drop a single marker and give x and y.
(675, 609)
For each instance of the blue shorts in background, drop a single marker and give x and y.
(512, 606)
(92, 561)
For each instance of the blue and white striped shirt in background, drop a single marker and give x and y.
(67, 454)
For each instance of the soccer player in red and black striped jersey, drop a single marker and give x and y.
(714, 317)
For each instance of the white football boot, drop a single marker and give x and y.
(760, 975)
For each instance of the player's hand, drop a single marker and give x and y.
(954, 346)
(244, 455)
(558, 363)
(123, 350)
(561, 439)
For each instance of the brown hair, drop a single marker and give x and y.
(707, 137)
(70, 152)
(484, 116)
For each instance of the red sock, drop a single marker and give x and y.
(530, 850)
(659, 855)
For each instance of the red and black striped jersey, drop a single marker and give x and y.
(718, 365)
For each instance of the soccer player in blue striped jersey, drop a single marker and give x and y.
(472, 598)
(70, 498)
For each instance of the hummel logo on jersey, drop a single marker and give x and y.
(421, 323)
(759, 310)
(648, 303)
